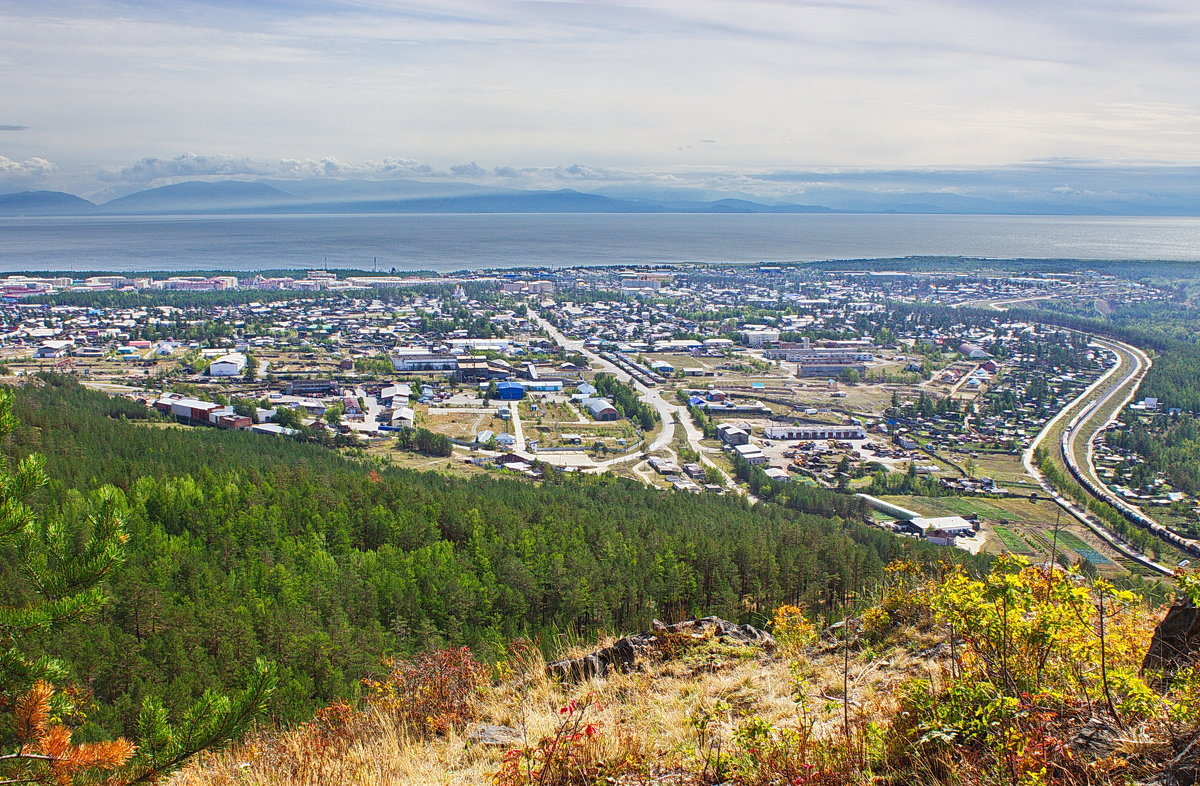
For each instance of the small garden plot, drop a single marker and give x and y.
(1039, 541)
(1083, 549)
(1012, 541)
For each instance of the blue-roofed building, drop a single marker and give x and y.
(510, 391)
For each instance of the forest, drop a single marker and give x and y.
(245, 546)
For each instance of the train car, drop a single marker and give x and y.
(1133, 515)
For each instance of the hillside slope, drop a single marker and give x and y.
(1012, 678)
(245, 546)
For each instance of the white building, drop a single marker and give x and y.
(751, 453)
(424, 361)
(230, 365)
(54, 349)
(758, 337)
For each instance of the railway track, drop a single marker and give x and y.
(1095, 413)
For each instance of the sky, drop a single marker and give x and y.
(771, 98)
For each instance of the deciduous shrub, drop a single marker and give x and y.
(431, 692)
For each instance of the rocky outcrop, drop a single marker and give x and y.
(1176, 642)
(625, 654)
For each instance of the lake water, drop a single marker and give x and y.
(481, 241)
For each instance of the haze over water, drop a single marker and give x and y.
(480, 241)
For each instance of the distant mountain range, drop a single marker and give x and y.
(327, 195)
(41, 203)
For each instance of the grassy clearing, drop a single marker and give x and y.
(652, 714)
(888, 704)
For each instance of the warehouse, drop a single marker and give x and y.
(53, 349)
(312, 387)
(600, 409)
(510, 391)
(811, 431)
(227, 365)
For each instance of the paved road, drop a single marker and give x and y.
(370, 421)
(518, 427)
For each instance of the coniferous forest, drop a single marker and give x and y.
(245, 546)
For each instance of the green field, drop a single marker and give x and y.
(1083, 549)
(1012, 541)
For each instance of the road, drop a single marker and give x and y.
(1103, 411)
(371, 411)
(518, 427)
(666, 410)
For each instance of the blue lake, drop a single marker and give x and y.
(479, 241)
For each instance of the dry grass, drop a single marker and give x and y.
(653, 711)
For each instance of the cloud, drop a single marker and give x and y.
(13, 128)
(190, 166)
(1049, 181)
(650, 84)
(332, 167)
(29, 171)
(468, 170)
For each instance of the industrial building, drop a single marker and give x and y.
(811, 431)
(600, 408)
(312, 387)
(54, 349)
(510, 391)
(230, 365)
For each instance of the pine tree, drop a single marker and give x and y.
(64, 563)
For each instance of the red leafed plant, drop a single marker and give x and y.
(431, 692)
(574, 754)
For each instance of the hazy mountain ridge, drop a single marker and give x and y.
(37, 203)
(333, 196)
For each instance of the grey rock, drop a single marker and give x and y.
(488, 734)
(623, 654)
(1095, 738)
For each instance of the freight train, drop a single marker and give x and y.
(1131, 513)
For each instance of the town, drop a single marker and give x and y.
(919, 392)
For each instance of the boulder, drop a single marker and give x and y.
(1176, 642)
(1094, 739)
(492, 735)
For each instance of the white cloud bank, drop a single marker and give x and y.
(31, 171)
(190, 166)
(522, 90)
